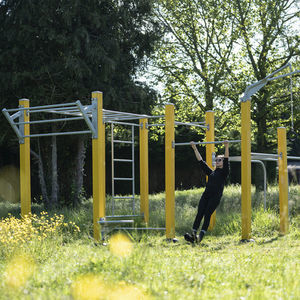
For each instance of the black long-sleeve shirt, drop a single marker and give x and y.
(216, 179)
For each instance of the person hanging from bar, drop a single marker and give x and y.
(212, 194)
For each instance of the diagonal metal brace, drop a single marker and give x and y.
(255, 87)
(16, 129)
(84, 111)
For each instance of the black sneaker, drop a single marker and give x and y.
(191, 238)
(201, 235)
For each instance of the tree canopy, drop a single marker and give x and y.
(54, 50)
(60, 51)
(213, 49)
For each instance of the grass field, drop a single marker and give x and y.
(52, 256)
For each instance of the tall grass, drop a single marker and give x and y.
(49, 258)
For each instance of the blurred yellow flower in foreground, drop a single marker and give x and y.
(120, 245)
(88, 287)
(93, 287)
(128, 292)
(18, 270)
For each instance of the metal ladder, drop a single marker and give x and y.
(119, 222)
(122, 160)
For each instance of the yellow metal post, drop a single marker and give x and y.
(144, 174)
(25, 185)
(283, 180)
(246, 168)
(210, 149)
(170, 171)
(98, 148)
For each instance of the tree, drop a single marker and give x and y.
(269, 40)
(194, 57)
(213, 49)
(53, 50)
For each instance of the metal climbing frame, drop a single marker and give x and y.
(94, 116)
(72, 111)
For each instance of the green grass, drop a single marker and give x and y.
(221, 267)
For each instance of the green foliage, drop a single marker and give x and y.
(213, 49)
(53, 50)
(60, 51)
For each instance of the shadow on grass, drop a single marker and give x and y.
(269, 241)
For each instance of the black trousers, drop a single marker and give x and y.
(206, 207)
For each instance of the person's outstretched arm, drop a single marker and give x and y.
(226, 157)
(207, 170)
(226, 144)
(197, 154)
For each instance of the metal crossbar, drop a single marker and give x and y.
(139, 228)
(154, 125)
(123, 160)
(50, 121)
(270, 155)
(124, 123)
(124, 216)
(190, 124)
(293, 157)
(123, 142)
(205, 143)
(57, 133)
(40, 107)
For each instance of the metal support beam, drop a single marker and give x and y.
(210, 149)
(170, 172)
(25, 183)
(98, 146)
(144, 173)
(283, 180)
(246, 169)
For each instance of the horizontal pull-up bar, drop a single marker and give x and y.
(57, 110)
(123, 123)
(196, 124)
(50, 120)
(190, 124)
(294, 157)
(270, 155)
(155, 125)
(205, 143)
(41, 107)
(58, 133)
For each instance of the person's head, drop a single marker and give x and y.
(219, 161)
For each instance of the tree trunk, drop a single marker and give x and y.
(38, 158)
(209, 102)
(55, 188)
(80, 161)
(261, 141)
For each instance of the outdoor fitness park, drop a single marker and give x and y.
(96, 117)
